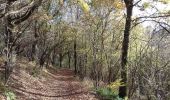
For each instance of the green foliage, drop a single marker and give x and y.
(110, 92)
(115, 85)
(107, 93)
(10, 95)
(7, 92)
(35, 72)
(146, 5)
(2, 87)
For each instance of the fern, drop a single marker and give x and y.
(110, 92)
(115, 85)
(10, 95)
(107, 94)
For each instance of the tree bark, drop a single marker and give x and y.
(69, 59)
(8, 42)
(75, 57)
(60, 59)
(125, 45)
(34, 45)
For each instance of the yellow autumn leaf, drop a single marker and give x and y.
(84, 5)
(164, 1)
(116, 84)
(118, 5)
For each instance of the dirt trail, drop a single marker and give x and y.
(52, 85)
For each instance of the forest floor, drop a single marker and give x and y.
(49, 84)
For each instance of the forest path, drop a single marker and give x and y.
(51, 85)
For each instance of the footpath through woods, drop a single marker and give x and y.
(50, 85)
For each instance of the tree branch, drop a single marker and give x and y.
(16, 17)
(2, 10)
(137, 2)
(161, 15)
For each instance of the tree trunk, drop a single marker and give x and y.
(60, 59)
(53, 57)
(34, 45)
(125, 45)
(75, 57)
(12, 18)
(69, 59)
(85, 65)
(8, 43)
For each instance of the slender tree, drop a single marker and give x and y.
(125, 45)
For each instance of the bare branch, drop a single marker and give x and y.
(2, 10)
(155, 16)
(137, 2)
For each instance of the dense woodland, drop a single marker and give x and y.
(121, 46)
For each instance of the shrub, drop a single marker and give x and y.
(2, 88)
(7, 92)
(110, 92)
(115, 85)
(107, 94)
(35, 72)
(10, 95)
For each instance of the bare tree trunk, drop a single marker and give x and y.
(95, 66)
(69, 59)
(85, 65)
(8, 43)
(81, 67)
(75, 57)
(53, 57)
(60, 59)
(125, 45)
(34, 45)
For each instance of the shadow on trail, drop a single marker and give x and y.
(53, 85)
(45, 95)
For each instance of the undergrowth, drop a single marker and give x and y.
(110, 92)
(8, 93)
(35, 72)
